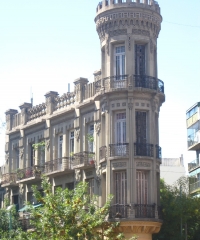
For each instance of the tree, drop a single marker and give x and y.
(180, 211)
(70, 214)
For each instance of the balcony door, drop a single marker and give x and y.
(119, 69)
(140, 61)
(120, 134)
(142, 187)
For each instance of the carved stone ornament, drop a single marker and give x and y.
(98, 175)
(98, 127)
(77, 175)
(119, 164)
(7, 157)
(130, 105)
(47, 144)
(77, 134)
(143, 164)
(21, 152)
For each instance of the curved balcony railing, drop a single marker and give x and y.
(84, 159)
(8, 178)
(116, 82)
(119, 149)
(60, 164)
(119, 211)
(30, 172)
(149, 82)
(158, 152)
(143, 149)
(145, 210)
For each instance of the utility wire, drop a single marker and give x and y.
(182, 24)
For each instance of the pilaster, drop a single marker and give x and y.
(24, 116)
(50, 101)
(9, 118)
(80, 84)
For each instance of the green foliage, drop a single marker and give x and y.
(39, 145)
(90, 137)
(177, 204)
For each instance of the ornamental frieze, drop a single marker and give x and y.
(143, 164)
(119, 164)
(141, 32)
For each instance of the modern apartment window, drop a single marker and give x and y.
(141, 127)
(119, 62)
(140, 59)
(60, 146)
(90, 138)
(90, 187)
(71, 143)
(120, 127)
(142, 187)
(120, 181)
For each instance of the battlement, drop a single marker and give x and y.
(111, 4)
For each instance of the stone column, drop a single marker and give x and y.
(50, 101)
(24, 116)
(9, 115)
(80, 84)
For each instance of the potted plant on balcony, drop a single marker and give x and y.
(20, 174)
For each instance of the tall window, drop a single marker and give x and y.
(120, 187)
(119, 62)
(17, 157)
(91, 138)
(32, 154)
(141, 127)
(142, 187)
(60, 146)
(121, 127)
(71, 143)
(41, 155)
(140, 68)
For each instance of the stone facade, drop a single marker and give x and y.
(104, 132)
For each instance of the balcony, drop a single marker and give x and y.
(194, 141)
(133, 211)
(102, 153)
(194, 187)
(148, 82)
(145, 210)
(192, 165)
(30, 173)
(119, 149)
(84, 160)
(9, 179)
(158, 152)
(116, 82)
(143, 149)
(58, 166)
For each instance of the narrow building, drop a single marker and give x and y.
(105, 132)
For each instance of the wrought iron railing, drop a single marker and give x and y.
(145, 210)
(84, 158)
(194, 164)
(57, 165)
(158, 152)
(103, 152)
(30, 172)
(119, 211)
(119, 149)
(120, 81)
(8, 178)
(143, 149)
(149, 82)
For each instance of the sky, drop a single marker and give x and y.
(44, 45)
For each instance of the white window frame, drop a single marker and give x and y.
(121, 56)
(120, 127)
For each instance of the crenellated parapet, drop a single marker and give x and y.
(128, 17)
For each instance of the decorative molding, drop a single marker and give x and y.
(21, 153)
(141, 32)
(129, 42)
(130, 105)
(47, 144)
(143, 164)
(119, 164)
(117, 32)
(77, 134)
(98, 127)
(77, 175)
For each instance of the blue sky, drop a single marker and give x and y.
(44, 45)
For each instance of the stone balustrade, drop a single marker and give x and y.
(65, 100)
(37, 111)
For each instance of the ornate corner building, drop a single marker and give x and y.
(104, 132)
